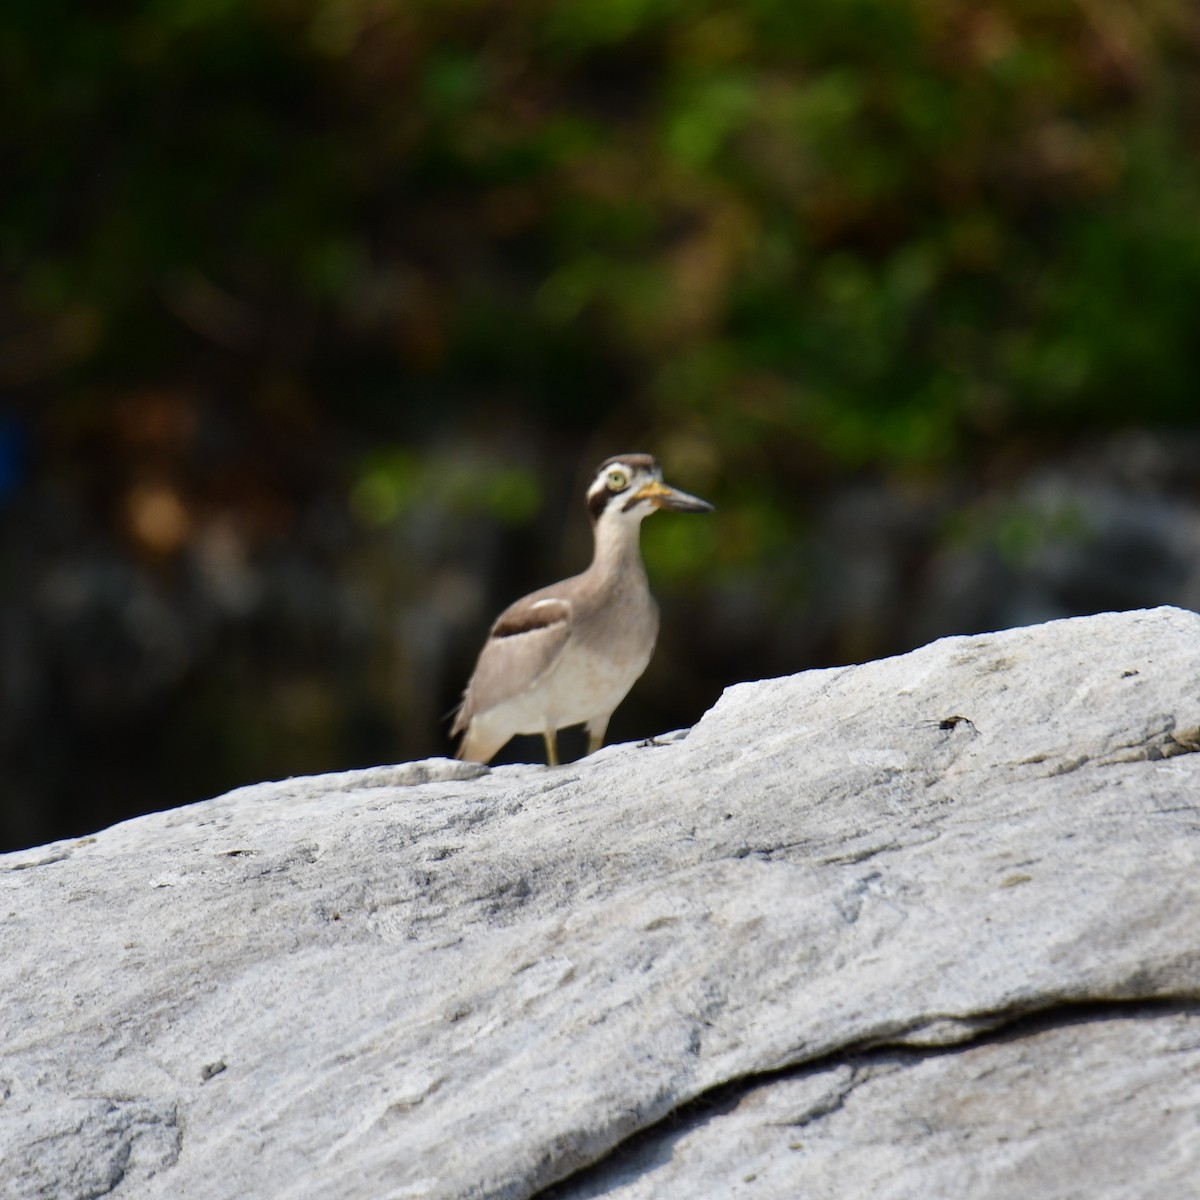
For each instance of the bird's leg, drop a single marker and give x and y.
(551, 736)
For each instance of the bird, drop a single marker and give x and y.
(568, 654)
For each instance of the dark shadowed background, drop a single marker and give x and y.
(316, 315)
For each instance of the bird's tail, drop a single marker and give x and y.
(478, 745)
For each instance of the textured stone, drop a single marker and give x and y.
(1102, 1106)
(437, 981)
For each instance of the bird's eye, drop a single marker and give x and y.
(618, 480)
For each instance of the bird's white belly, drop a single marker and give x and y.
(581, 685)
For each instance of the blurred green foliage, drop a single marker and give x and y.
(882, 230)
(393, 481)
(271, 265)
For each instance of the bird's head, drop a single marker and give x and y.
(629, 487)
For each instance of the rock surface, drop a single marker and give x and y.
(920, 928)
(1106, 1105)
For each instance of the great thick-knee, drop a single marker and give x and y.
(569, 653)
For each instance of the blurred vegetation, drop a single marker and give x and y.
(325, 273)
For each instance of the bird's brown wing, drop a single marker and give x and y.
(523, 644)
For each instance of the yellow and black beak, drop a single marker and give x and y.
(662, 496)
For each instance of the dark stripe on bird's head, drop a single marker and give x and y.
(600, 493)
(639, 462)
(597, 502)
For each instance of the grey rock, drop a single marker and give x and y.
(1103, 1106)
(835, 902)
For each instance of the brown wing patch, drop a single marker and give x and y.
(510, 662)
(525, 617)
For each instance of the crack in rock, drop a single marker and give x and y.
(821, 1088)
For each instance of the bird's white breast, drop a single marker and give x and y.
(584, 684)
(591, 676)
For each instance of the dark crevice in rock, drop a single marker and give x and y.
(1003, 1026)
(855, 857)
(887, 1050)
(1185, 741)
(1167, 742)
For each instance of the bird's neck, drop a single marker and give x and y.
(617, 549)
